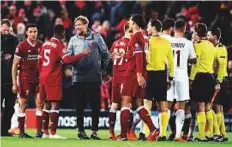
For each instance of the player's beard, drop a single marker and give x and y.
(81, 33)
(172, 33)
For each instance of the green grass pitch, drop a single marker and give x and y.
(73, 142)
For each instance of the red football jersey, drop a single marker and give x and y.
(51, 62)
(136, 57)
(28, 53)
(146, 39)
(119, 47)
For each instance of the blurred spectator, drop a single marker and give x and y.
(58, 21)
(121, 24)
(140, 8)
(12, 16)
(21, 31)
(62, 3)
(67, 23)
(22, 16)
(29, 11)
(95, 25)
(45, 25)
(106, 27)
(117, 13)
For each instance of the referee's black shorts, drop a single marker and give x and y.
(223, 97)
(203, 87)
(156, 88)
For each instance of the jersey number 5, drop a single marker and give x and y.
(46, 57)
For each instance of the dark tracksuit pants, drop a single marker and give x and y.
(92, 91)
(7, 108)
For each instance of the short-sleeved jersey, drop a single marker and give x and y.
(51, 56)
(136, 57)
(220, 68)
(159, 55)
(206, 53)
(119, 47)
(28, 54)
(183, 50)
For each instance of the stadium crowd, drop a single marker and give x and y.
(114, 21)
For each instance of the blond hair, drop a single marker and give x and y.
(82, 18)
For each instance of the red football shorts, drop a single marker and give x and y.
(26, 88)
(130, 87)
(50, 93)
(117, 87)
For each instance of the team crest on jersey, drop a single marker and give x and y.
(137, 48)
(136, 45)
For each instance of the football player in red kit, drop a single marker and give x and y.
(134, 79)
(50, 67)
(26, 57)
(118, 51)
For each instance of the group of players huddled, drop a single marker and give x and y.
(149, 65)
(153, 65)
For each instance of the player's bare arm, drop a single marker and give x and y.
(70, 59)
(141, 80)
(14, 73)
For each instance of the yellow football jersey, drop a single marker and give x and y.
(159, 55)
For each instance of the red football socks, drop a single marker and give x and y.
(124, 118)
(38, 121)
(54, 116)
(112, 119)
(145, 116)
(45, 121)
(21, 121)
